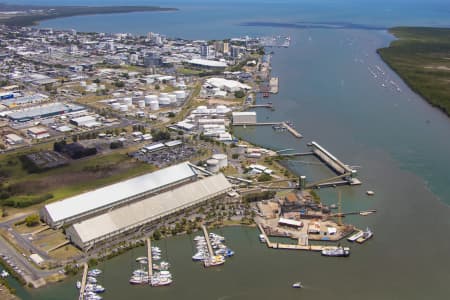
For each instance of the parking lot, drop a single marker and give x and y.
(167, 155)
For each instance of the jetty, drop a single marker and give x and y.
(149, 259)
(208, 241)
(83, 281)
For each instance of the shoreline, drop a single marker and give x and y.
(30, 18)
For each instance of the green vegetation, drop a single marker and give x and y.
(239, 94)
(421, 57)
(264, 177)
(21, 188)
(52, 12)
(32, 220)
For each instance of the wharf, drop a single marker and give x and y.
(288, 246)
(83, 281)
(273, 84)
(261, 106)
(292, 130)
(149, 258)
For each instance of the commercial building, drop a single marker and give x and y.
(38, 132)
(77, 208)
(244, 117)
(136, 216)
(207, 64)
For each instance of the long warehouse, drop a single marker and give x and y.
(109, 225)
(86, 205)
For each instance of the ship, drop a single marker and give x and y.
(336, 251)
(297, 285)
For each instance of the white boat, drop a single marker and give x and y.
(160, 281)
(214, 261)
(297, 285)
(336, 251)
(370, 193)
(355, 236)
(141, 258)
(91, 279)
(156, 257)
(94, 272)
(262, 239)
(199, 256)
(164, 265)
(140, 273)
(4, 274)
(367, 234)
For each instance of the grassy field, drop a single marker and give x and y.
(77, 177)
(421, 56)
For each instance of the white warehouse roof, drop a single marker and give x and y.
(113, 194)
(138, 213)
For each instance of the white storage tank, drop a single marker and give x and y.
(222, 160)
(180, 95)
(173, 98)
(202, 109)
(141, 103)
(115, 106)
(163, 94)
(222, 109)
(212, 165)
(164, 100)
(128, 101)
(154, 105)
(123, 107)
(150, 98)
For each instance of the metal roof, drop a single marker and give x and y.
(109, 195)
(144, 211)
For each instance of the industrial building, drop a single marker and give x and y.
(244, 117)
(43, 111)
(77, 208)
(135, 216)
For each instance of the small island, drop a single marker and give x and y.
(28, 15)
(421, 57)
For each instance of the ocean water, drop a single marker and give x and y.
(400, 144)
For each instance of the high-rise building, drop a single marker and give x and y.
(204, 50)
(235, 51)
(226, 48)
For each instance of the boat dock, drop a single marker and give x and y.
(208, 241)
(361, 213)
(149, 258)
(83, 281)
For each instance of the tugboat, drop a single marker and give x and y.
(297, 285)
(336, 251)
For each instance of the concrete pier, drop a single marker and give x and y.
(273, 84)
(83, 281)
